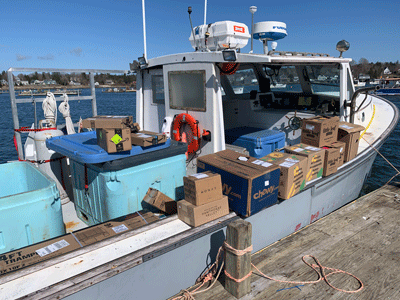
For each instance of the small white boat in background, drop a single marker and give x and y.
(202, 83)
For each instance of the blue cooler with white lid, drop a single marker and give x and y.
(259, 142)
(110, 185)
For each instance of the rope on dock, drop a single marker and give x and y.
(210, 272)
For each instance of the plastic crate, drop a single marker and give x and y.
(259, 142)
(30, 206)
(117, 188)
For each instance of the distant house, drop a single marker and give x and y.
(387, 71)
(96, 84)
(38, 82)
(3, 82)
(74, 83)
(24, 82)
(49, 82)
(109, 82)
(17, 81)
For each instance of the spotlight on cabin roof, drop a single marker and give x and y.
(342, 46)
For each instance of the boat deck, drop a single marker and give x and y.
(360, 238)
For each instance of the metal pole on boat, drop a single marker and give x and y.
(205, 12)
(252, 9)
(93, 92)
(144, 30)
(14, 111)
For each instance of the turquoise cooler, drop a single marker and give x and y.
(116, 188)
(30, 206)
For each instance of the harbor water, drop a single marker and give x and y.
(124, 104)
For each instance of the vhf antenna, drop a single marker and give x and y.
(191, 25)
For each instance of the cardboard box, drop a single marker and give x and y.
(30, 255)
(249, 183)
(93, 234)
(350, 134)
(202, 188)
(199, 215)
(111, 122)
(114, 140)
(161, 201)
(320, 131)
(334, 157)
(315, 157)
(293, 172)
(147, 138)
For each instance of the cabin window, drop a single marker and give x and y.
(187, 90)
(325, 80)
(243, 81)
(283, 78)
(157, 86)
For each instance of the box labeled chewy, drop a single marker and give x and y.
(147, 138)
(161, 201)
(349, 133)
(320, 130)
(315, 157)
(249, 183)
(118, 122)
(334, 157)
(202, 188)
(114, 140)
(198, 215)
(293, 172)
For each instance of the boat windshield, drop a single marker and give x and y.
(322, 79)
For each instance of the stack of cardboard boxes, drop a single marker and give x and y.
(119, 133)
(204, 200)
(339, 141)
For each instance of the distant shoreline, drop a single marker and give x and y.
(63, 87)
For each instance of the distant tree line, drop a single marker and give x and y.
(82, 78)
(375, 70)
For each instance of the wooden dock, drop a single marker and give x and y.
(361, 238)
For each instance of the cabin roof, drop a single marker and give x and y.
(216, 56)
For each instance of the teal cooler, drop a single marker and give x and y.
(250, 185)
(30, 206)
(259, 142)
(116, 188)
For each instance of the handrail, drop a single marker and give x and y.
(15, 101)
(352, 104)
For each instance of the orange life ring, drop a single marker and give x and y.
(186, 118)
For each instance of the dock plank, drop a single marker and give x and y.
(360, 238)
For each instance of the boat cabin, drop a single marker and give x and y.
(274, 91)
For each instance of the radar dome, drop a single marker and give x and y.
(269, 31)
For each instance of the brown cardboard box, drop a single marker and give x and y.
(334, 157)
(202, 188)
(315, 156)
(161, 201)
(24, 257)
(114, 140)
(18, 259)
(293, 172)
(250, 184)
(114, 227)
(320, 131)
(147, 138)
(112, 122)
(199, 215)
(350, 134)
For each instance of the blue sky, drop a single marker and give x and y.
(108, 34)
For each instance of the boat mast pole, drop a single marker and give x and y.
(205, 12)
(144, 30)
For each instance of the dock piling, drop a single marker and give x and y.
(238, 263)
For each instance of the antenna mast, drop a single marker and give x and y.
(144, 30)
(205, 12)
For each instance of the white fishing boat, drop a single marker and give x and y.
(158, 260)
